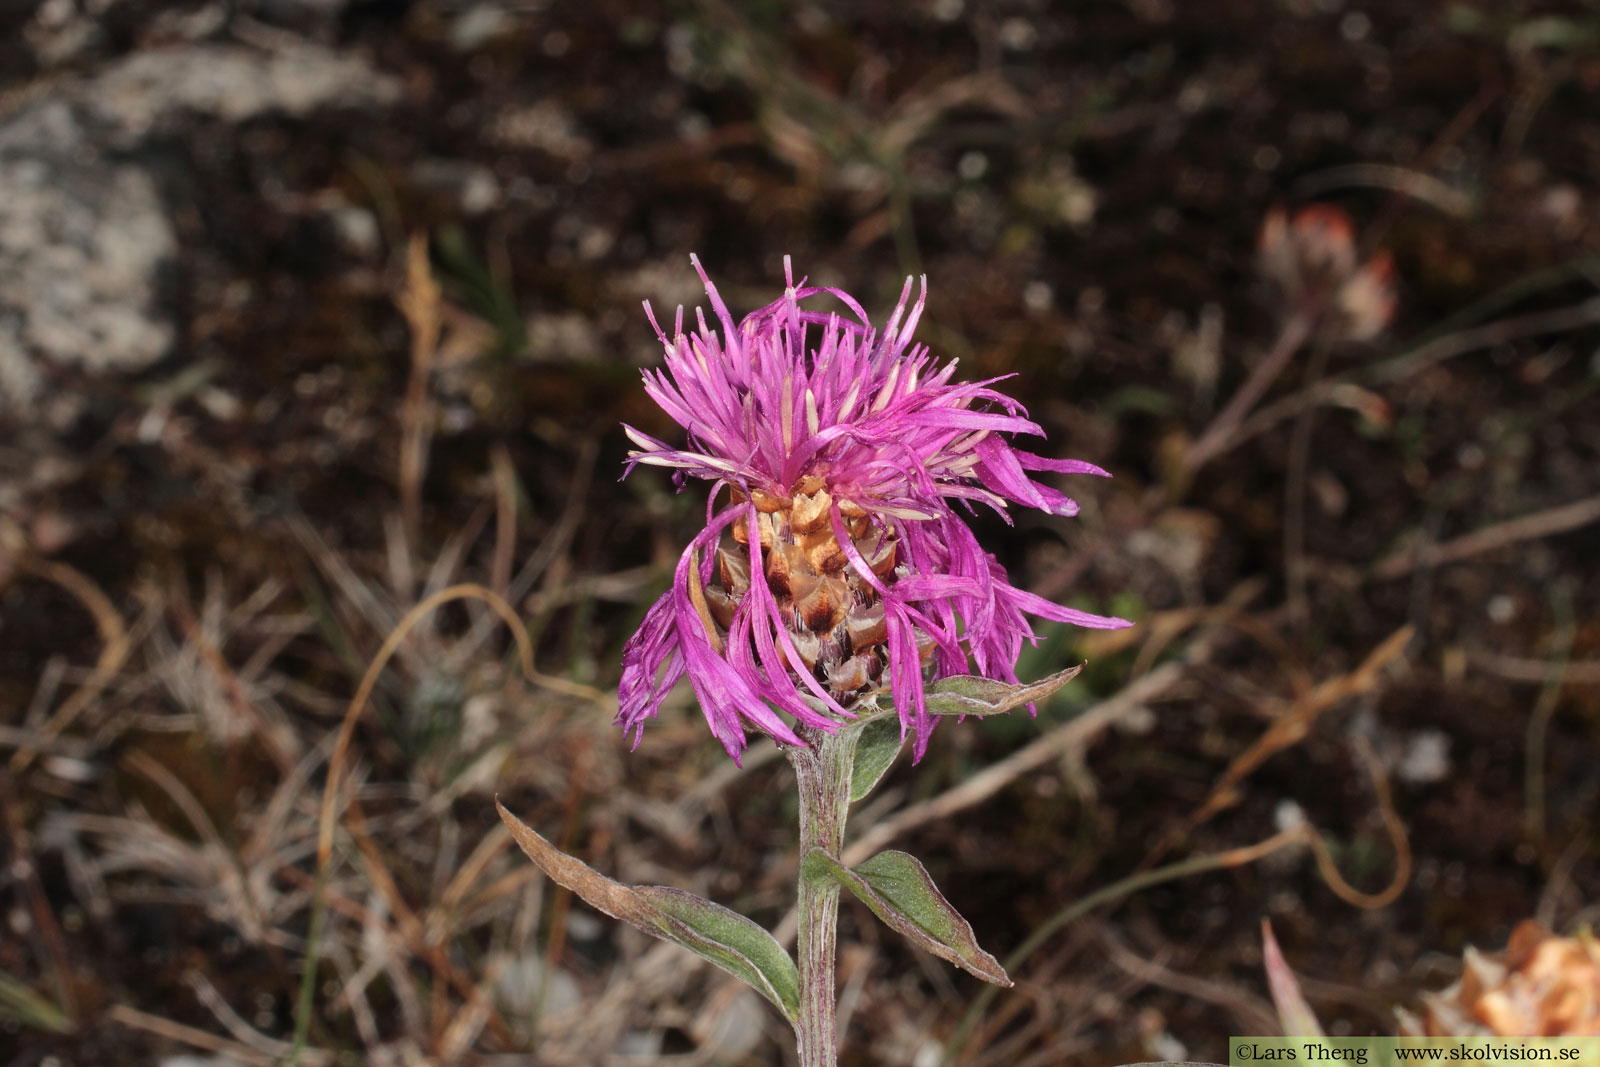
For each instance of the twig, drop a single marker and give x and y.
(1165, 627)
(1486, 95)
(725, 774)
(1554, 520)
(1218, 436)
(1537, 671)
(1070, 735)
(1534, 324)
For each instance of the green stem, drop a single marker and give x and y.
(305, 1003)
(823, 773)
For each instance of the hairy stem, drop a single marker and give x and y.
(823, 773)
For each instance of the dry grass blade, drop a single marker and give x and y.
(1067, 737)
(1233, 857)
(1250, 1013)
(505, 512)
(1545, 523)
(466, 877)
(58, 964)
(358, 702)
(1535, 671)
(1544, 710)
(1399, 840)
(1400, 180)
(279, 742)
(113, 653)
(230, 1019)
(21, 1006)
(1220, 435)
(195, 1038)
(424, 940)
(1287, 730)
(1519, 327)
(330, 793)
(470, 1019)
(419, 303)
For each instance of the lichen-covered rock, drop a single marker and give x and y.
(85, 238)
(232, 83)
(82, 242)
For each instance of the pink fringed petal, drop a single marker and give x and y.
(791, 393)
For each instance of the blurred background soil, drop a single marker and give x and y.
(243, 430)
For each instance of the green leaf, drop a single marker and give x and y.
(900, 892)
(876, 749)
(709, 930)
(966, 694)
(20, 1004)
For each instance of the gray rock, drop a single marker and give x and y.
(232, 83)
(84, 235)
(82, 243)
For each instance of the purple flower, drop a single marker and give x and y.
(834, 563)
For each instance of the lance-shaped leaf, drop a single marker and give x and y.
(966, 694)
(876, 748)
(709, 930)
(900, 892)
(1294, 1014)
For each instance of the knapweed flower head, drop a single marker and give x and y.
(836, 562)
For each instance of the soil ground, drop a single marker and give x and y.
(203, 555)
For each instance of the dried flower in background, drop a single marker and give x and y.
(1540, 986)
(1311, 258)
